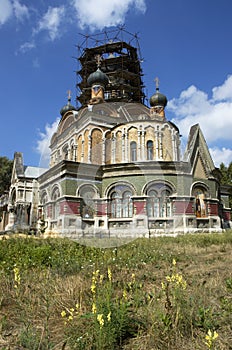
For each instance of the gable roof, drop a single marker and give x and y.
(197, 153)
(21, 170)
(33, 172)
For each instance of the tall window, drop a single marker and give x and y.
(65, 152)
(115, 205)
(55, 204)
(121, 203)
(150, 152)
(158, 202)
(88, 194)
(133, 151)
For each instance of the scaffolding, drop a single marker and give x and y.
(120, 57)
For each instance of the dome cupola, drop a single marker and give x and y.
(68, 107)
(98, 78)
(158, 99)
(158, 102)
(97, 81)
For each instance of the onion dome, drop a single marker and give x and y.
(98, 78)
(158, 99)
(68, 107)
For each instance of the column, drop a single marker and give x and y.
(75, 153)
(103, 151)
(143, 144)
(174, 146)
(82, 150)
(89, 148)
(139, 145)
(126, 146)
(123, 147)
(161, 145)
(157, 144)
(69, 154)
(113, 149)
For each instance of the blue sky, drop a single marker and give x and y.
(187, 44)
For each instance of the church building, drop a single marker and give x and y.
(115, 164)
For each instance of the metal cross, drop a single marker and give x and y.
(69, 94)
(98, 60)
(157, 82)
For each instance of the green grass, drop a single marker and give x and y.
(131, 296)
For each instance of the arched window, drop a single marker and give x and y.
(121, 202)
(65, 152)
(200, 194)
(88, 193)
(158, 202)
(127, 204)
(133, 151)
(150, 150)
(153, 204)
(116, 205)
(72, 152)
(55, 204)
(96, 146)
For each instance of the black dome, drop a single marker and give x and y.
(97, 77)
(68, 107)
(158, 99)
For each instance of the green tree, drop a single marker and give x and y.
(5, 174)
(226, 174)
(223, 169)
(226, 178)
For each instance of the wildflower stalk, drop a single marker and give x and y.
(210, 339)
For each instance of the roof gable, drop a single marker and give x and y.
(197, 153)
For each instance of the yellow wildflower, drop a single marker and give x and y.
(124, 294)
(101, 278)
(63, 313)
(177, 279)
(133, 277)
(93, 288)
(100, 320)
(17, 277)
(95, 274)
(109, 274)
(174, 262)
(210, 338)
(109, 316)
(94, 308)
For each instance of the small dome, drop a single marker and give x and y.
(68, 107)
(97, 77)
(158, 99)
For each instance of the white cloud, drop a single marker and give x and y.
(51, 22)
(105, 13)
(223, 92)
(20, 11)
(44, 142)
(28, 45)
(213, 114)
(9, 8)
(223, 155)
(6, 11)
